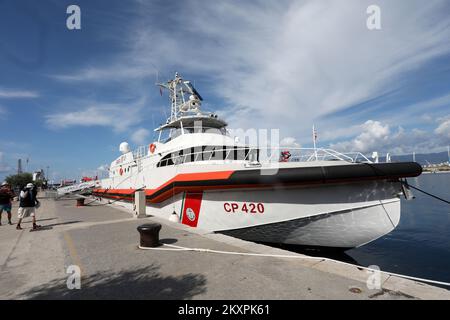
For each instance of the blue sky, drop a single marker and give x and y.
(69, 97)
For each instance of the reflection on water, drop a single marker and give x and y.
(419, 246)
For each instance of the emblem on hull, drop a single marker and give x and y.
(190, 214)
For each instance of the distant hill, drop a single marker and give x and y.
(423, 158)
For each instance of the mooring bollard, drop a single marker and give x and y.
(80, 202)
(149, 234)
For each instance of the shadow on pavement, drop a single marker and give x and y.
(47, 219)
(63, 223)
(139, 283)
(38, 220)
(168, 241)
(43, 228)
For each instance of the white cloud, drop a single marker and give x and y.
(14, 93)
(374, 134)
(443, 129)
(287, 63)
(103, 168)
(289, 142)
(377, 136)
(140, 136)
(118, 116)
(117, 73)
(337, 133)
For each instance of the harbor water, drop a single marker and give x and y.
(420, 245)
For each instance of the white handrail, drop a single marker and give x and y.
(265, 154)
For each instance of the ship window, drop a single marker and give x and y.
(206, 153)
(165, 161)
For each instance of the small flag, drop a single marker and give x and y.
(160, 91)
(314, 134)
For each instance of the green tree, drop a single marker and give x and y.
(19, 180)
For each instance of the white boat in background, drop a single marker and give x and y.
(314, 197)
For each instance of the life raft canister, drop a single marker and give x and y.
(152, 148)
(121, 171)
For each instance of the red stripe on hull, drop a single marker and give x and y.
(183, 177)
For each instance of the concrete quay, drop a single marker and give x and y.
(102, 240)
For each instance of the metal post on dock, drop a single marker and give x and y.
(139, 204)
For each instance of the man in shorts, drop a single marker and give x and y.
(28, 204)
(6, 195)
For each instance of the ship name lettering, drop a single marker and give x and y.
(233, 207)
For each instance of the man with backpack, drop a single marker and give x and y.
(28, 205)
(6, 195)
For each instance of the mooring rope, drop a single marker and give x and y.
(427, 193)
(178, 248)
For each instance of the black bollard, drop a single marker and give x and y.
(149, 234)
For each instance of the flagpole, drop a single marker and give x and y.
(314, 141)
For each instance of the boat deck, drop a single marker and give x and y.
(102, 241)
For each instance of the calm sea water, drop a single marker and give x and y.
(420, 245)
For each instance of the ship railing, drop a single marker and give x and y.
(140, 152)
(259, 155)
(295, 154)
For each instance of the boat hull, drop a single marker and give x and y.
(346, 229)
(341, 215)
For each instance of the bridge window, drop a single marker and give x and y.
(207, 153)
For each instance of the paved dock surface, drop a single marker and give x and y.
(102, 240)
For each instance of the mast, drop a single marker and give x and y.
(178, 103)
(185, 107)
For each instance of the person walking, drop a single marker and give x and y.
(6, 195)
(28, 203)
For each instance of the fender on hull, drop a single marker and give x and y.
(268, 178)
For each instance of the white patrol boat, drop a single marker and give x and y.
(311, 197)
